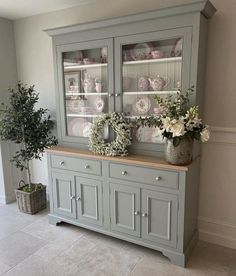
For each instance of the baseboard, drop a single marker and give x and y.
(217, 232)
(7, 199)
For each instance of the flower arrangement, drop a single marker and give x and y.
(178, 121)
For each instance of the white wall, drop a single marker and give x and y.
(217, 220)
(8, 78)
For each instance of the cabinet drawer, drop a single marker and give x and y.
(76, 164)
(144, 175)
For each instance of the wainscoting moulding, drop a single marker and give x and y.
(211, 230)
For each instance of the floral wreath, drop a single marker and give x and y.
(122, 130)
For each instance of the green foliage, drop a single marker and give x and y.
(22, 124)
(31, 188)
(177, 119)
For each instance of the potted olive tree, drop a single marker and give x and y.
(22, 124)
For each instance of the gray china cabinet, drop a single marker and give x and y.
(119, 65)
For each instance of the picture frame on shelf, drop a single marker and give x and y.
(72, 82)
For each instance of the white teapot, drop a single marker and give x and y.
(89, 84)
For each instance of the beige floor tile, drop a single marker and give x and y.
(107, 260)
(48, 232)
(214, 254)
(18, 246)
(3, 268)
(32, 266)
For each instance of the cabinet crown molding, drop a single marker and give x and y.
(205, 7)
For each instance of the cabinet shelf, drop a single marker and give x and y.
(139, 116)
(82, 115)
(86, 94)
(151, 61)
(84, 66)
(150, 92)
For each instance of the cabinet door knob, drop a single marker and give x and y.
(136, 213)
(117, 94)
(62, 163)
(158, 178)
(72, 197)
(144, 215)
(110, 94)
(86, 166)
(124, 173)
(78, 198)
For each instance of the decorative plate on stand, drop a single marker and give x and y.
(142, 105)
(78, 127)
(141, 51)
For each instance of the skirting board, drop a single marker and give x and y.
(217, 232)
(7, 199)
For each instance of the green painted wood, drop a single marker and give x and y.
(125, 209)
(83, 165)
(186, 34)
(63, 188)
(170, 203)
(144, 175)
(205, 7)
(89, 200)
(61, 113)
(159, 217)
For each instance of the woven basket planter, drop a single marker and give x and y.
(33, 202)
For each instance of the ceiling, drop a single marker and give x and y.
(15, 9)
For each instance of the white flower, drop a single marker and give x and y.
(166, 123)
(205, 134)
(178, 129)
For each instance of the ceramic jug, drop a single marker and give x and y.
(158, 83)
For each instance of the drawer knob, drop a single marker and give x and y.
(136, 213)
(144, 215)
(78, 198)
(110, 94)
(124, 173)
(72, 197)
(86, 166)
(62, 163)
(117, 94)
(158, 178)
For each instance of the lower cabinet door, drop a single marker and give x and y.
(159, 217)
(89, 200)
(63, 192)
(125, 209)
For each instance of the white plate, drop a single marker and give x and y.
(76, 127)
(141, 51)
(142, 105)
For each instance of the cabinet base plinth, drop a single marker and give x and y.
(53, 220)
(175, 257)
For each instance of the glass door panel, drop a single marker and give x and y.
(86, 82)
(151, 65)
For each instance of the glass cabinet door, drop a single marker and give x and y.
(150, 65)
(86, 78)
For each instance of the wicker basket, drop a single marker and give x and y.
(31, 203)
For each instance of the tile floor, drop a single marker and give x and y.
(29, 246)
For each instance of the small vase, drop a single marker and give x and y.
(180, 155)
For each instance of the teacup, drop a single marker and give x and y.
(88, 60)
(89, 84)
(157, 54)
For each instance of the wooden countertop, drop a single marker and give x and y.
(132, 159)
